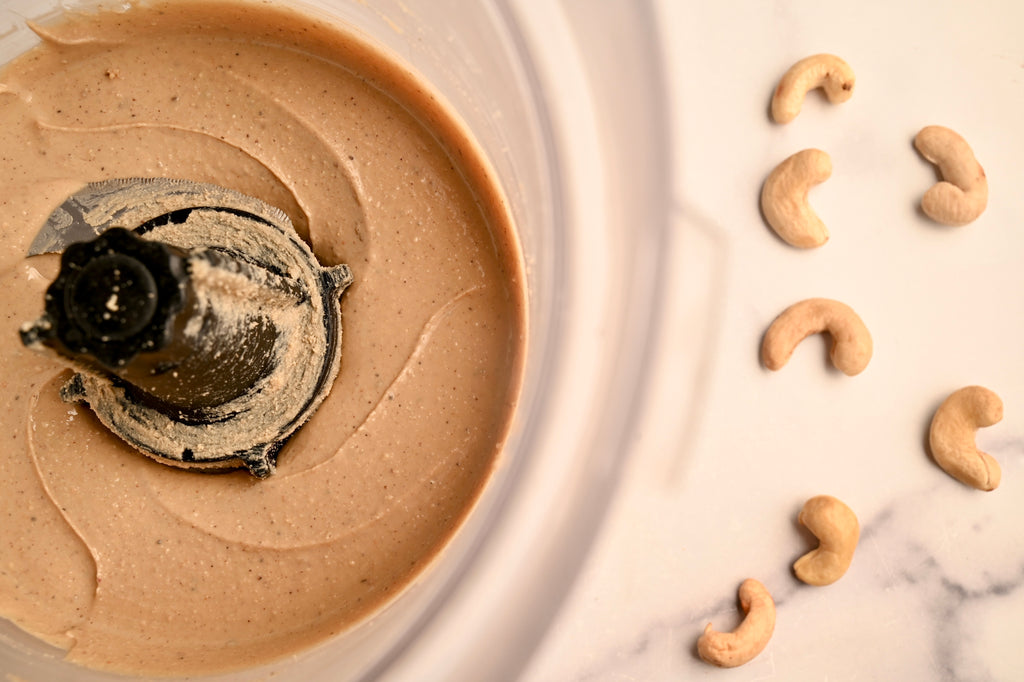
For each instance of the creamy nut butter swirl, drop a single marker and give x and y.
(141, 568)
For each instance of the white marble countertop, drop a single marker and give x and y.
(730, 451)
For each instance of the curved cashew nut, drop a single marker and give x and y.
(836, 527)
(730, 649)
(825, 71)
(952, 436)
(851, 341)
(963, 193)
(784, 198)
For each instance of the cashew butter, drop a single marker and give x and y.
(141, 568)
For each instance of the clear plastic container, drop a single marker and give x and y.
(566, 101)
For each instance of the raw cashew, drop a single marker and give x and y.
(730, 649)
(963, 193)
(784, 198)
(851, 341)
(835, 525)
(952, 436)
(825, 71)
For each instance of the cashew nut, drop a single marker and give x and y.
(825, 71)
(784, 198)
(963, 193)
(835, 525)
(851, 341)
(952, 436)
(730, 649)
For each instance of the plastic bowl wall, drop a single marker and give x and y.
(565, 100)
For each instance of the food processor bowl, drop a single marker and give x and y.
(566, 101)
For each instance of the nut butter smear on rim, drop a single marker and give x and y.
(270, 177)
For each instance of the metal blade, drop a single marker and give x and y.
(130, 202)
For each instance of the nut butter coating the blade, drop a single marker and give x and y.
(130, 202)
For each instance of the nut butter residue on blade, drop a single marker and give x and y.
(203, 330)
(129, 202)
